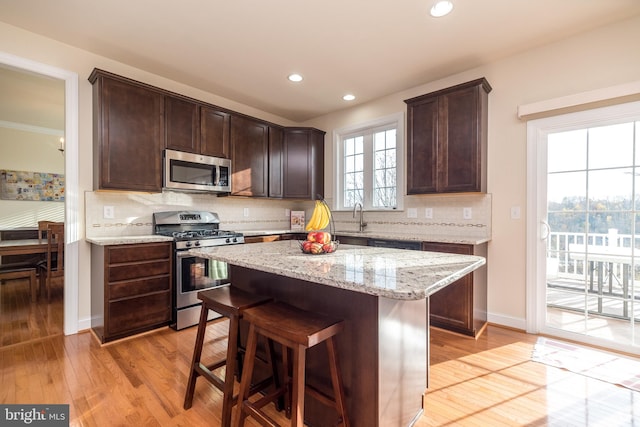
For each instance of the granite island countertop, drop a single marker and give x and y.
(387, 235)
(390, 273)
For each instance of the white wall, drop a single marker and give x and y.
(598, 59)
(601, 58)
(33, 152)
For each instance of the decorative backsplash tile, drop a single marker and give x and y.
(133, 214)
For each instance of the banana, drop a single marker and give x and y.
(315, 217)
(325, 217)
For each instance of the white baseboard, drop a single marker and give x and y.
(508, 321)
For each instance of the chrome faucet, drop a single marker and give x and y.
(362, 223)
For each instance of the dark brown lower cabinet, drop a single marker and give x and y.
(130, 289)
(462, 306)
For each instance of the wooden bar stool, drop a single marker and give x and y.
(297, 330)
(231, 303)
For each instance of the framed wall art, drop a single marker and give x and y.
(31, 186)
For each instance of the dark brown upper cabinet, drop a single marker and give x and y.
(196, 128)
(214, 132)
(303, 163)
(250, 157)
(276, 158)
(181, 120)
(447, 139)
(128, 134)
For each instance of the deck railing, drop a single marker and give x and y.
(570, 271)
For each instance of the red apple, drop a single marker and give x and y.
(316, 248)
(306, 246)
(328, 247)
(311, 237)
(322, 237)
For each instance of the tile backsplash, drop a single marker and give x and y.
(132, 213)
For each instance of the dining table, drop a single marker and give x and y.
(23, 247)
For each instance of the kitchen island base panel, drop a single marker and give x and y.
(382, 350)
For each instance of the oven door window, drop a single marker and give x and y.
(201, 273)
(193, 173)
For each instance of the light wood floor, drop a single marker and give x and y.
(23, 321)
(141, 381)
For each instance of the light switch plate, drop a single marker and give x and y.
(428, 213)
(287, 213)
(467, 213)
(245, 212)
(108, 212)
(515, 212)
(412, 213)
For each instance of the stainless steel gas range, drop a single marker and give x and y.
(194, 229)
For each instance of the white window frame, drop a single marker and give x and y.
(396, 119)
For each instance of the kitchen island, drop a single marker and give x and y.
(380, 292)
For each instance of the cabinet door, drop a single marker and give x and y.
(459, 165)
(181, 120)
(276, 168)
(303, 163)
(422, 138)
(214, 132)
(250, 156)
(130, 135)
(452, 307)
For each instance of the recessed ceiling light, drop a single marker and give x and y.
(295, 77)
(349, 97)
(441, 8)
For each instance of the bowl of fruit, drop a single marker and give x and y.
(318, 242)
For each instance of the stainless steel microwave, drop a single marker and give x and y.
(196, 172)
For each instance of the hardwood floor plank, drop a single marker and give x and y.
(141, 381)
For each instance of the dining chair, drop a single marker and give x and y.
(42, 229)
(53, 266)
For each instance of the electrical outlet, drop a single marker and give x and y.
(467, 213)
(428, 213)
(108, 212)
(515, 212)
(287, 213)
(412, 213)
(245, 212)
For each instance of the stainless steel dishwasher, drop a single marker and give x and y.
(396, 244)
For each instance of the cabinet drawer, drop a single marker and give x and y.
(137, 253)
(138, 313)
(139, 287)
(116, 273)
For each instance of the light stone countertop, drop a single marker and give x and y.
(390, 273)
(127, 240)
(390, 235)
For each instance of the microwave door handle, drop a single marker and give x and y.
(217, 177)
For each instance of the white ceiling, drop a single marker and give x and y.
(244, 49)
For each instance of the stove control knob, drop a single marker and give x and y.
(197, 243)
(227, 240)
(235, 240)
(188, 244)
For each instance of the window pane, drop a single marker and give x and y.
(567, 151)
(610, 189)
(567, 191)
(349, 147)
(611, 146)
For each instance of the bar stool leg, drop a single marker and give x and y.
(247, 373)
(197, 353)
(232, 354)
(297, 394)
